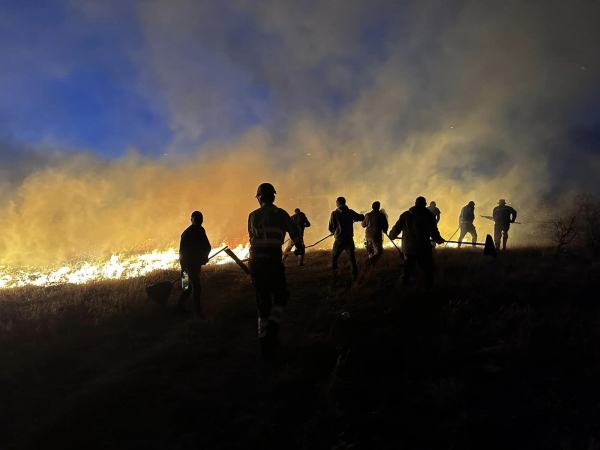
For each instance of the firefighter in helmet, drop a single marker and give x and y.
(267, 227)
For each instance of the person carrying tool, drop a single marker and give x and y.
(194, 248)
(267, 227)
(418, 227)
(376, 224)
(341, 225)
(302, 221)
(465, 222)
(503, 216)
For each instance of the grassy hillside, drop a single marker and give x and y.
(499, 355)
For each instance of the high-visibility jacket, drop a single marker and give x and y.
(268, 225)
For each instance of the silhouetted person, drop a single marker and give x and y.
(267, 227)
(418, 227)
(503, 215)
(302, 221)
(194, 248)
(435, 211)
(376, 224)
(465, 222)
(341, 225)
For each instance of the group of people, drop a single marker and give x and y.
(267, 229)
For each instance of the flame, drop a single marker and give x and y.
(118, 267)
(122, 266)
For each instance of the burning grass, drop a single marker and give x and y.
(497, 355)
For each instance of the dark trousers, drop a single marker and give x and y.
(501, 229)
(340, 245)
(268, 278)
(195, 287)
(425, 261)
(289, 248)
(467, 228)
(374, 249)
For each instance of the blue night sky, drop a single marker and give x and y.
(169, 76)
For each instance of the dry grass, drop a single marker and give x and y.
(500, 354)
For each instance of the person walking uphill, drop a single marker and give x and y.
(376, 224)
(465, 222)
(418, 227)
(267, 227)
(503, 216)
(302, 221)
(194, 248)
(341, 225)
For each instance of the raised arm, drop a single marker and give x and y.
(356, 217)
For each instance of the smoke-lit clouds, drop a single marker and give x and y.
(456, 101)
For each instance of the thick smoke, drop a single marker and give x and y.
(456, 101)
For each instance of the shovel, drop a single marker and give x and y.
(160, 292)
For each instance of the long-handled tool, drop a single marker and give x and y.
(238, 261)
(452, 235)
(491, 218)
(312, 245)
(319, 241)
(160, 292)
(394, 244)
(489, 249)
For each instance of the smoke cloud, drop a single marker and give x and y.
(456, 101)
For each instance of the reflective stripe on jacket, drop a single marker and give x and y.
(268, 225)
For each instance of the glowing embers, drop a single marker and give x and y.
(118, 267)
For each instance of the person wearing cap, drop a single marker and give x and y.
(418, 228)
(194, 249)
(267, 227)
(465, 222)
(341, 225)
(503, 216)
(375, 224)
(302, 221)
